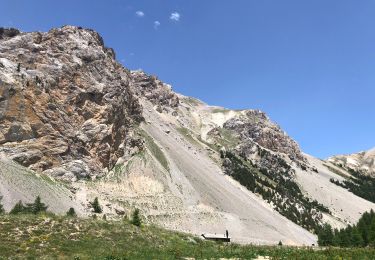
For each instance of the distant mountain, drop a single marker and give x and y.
(363, 162)
(79, 125)
(361, 169)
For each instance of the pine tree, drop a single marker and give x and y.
(336, 238)
(356, 238)
(18, 208)
(363, 228)
(96, 206)
(1, 206)
(372, 233)
(71, 213)
(325, 235)
(361, 234)
(37, 207)
(136, 220)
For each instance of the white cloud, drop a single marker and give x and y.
(156, 25)
(175, 16)
(140, 13)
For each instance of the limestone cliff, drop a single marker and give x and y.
(66, 107)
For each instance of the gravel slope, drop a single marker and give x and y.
(346, 206)
(247, 217)
(19, 183)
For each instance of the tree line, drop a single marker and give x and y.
(38, 207)
(277, 188)
(35, 208)
(360, 235)
(359, 184)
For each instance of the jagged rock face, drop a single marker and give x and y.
(65, 104)
(363, 162)
(255, 129)
(8, 32)
(151, 88)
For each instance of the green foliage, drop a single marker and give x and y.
(325, 235)
(371, 234)
(188, 135)
(118, 168)
(71, 213)
(136, 219)
(1, 206)
(360, 184)
(59, 238)
(30, 208)
(278, 188)
(226, 138)
(155, 150)
(37, 207)
(19, 208)
(362, 234)
(96, 206)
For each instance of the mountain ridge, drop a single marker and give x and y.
(129, 139)
(363, 161)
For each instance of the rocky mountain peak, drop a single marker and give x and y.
(363, 162)
(66, 106)
(254, 128)
(69, 110)
(8, 32)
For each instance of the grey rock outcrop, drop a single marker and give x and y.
(154, 90)
(66, 106)
(363, 162)
(254, 127)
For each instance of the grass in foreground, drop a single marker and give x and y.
(46, 237)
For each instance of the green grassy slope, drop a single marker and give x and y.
(46, 237)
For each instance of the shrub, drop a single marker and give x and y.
(37, 207)
(1, 206)
(18, 208)
(71, 213)
(96, 206)
(136, 219)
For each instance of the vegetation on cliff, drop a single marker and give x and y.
(279, 189)
(360, 184)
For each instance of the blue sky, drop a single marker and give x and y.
(308, 64)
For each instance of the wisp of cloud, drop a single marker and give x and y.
(140, 13)
(175, 16)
